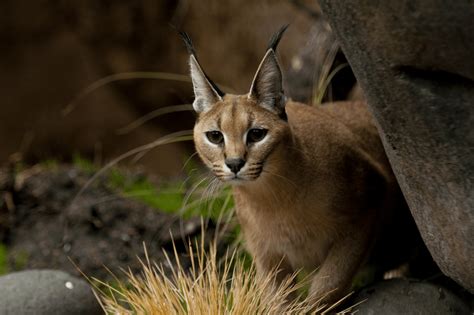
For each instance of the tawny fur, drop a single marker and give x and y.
(312, 193)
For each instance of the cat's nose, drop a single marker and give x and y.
(235, 164)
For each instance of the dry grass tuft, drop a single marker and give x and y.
(210, 286)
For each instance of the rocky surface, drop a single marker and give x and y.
(403, 296)
(414, 61)
(46, 292)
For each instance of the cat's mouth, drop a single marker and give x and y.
(239, 178)
(247, 174)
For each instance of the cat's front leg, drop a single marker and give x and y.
(271, 263)
(267, 262)
(334, 278)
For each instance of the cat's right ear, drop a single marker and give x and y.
(267, 85)
(206, 92)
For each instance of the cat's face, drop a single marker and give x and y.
(236, 138)
(235, 135)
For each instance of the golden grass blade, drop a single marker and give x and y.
(319, 96)
(322, 80)
(208, 287)
(154, 114)
(123, 76)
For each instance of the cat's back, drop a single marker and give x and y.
(332, 125)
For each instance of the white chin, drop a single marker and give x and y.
(236, 181)
(239, 180)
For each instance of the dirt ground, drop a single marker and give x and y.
(40, 228)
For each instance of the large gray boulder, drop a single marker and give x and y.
(403, 296)
(48, 292)
(415, 62)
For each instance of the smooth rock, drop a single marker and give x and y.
(403, 296)
(415, 62)
(47, 292)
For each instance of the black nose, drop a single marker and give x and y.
(235, 164)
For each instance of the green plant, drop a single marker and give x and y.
(49, 164)
(20, 260)
(174, 197)
(167, 198)
(3, 259)
(83, 163)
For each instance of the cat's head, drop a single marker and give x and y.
(235, 135)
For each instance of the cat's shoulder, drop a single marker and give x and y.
(350, 114)
(347, 123)
(338, 110)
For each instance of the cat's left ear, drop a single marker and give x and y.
(267, 85)
(206, 92)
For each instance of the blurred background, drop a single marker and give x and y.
(51, 51)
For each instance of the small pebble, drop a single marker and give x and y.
(67, 247)
(125, 237)
(69, 285)
(296, 63)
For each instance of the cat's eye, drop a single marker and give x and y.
(256, 135)
(215, 136)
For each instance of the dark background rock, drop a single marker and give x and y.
(46, 292)
(414, 61)
(403, 296)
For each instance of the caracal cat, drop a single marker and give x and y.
(310, 183)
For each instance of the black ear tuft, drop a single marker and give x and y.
(273, 43)
(191, 51)
(188, 42)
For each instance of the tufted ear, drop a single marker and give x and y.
(206, 92)
(267, 85)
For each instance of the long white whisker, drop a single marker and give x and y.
(207, 195)
(185, 203)
(212, 196)
(272, 190)
(281, 176)
(189, 194)
(188, 160)
(187, 179)
(218, 234)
